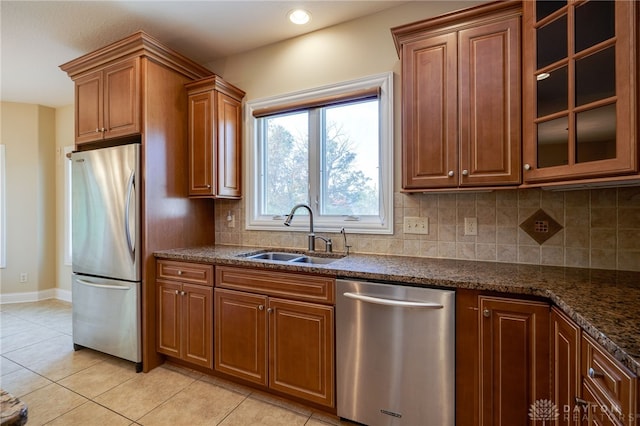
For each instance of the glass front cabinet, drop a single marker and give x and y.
(580, 89)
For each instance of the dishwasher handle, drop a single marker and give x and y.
(391, 302)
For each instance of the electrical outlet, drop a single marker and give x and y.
(416, 225)
(24, 277)
(470, 226)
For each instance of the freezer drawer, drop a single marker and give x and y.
(395, 350)
(106, 316)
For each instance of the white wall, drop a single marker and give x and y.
(364, 47)
(28, 132)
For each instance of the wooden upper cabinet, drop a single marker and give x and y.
(215, 138)
(429, 113)
(108, 102)
(461, 98)
(489, 103)
(580, 90)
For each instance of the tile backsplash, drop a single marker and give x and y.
(600, 228)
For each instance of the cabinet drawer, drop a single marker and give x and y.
(311, 288)
(609, 381)
(195, 273)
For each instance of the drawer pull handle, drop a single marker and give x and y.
(595, 374)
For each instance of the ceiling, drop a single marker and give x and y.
(38, 36)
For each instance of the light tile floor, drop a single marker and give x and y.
(64, 387)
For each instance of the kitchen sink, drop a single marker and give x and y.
(272, 255)
(314, 259)
(276, 256)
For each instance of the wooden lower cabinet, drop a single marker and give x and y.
(502, 358)
(185, 321)
(514, 357)
(589, 386)
(609, 388)
(284, 344)
(301, 348)
(565, 368)
(241, 335)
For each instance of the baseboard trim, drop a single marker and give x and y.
(34, 296)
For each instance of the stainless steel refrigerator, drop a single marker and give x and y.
(106, 282)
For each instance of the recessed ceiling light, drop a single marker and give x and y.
(299, 16)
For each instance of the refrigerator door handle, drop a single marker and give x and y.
(127, 228)
(111, 287)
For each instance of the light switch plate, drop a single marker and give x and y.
(416, 225)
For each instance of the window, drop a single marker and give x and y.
(330, 148)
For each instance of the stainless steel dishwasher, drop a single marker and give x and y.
(395, 350)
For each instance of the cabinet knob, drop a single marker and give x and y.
(179, 272)
(97, 130)
(269, 310)
(177, 292)
(486, 313)
(465, 172)
(208, 186)
(594, 374)
(527, 166)
(261, 307)
(450, 174)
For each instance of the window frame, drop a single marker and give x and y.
(382, 224)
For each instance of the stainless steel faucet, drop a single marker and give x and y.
(311, 236)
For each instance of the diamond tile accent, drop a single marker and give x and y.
(540, 226)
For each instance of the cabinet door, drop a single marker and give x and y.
(489, 102)
(169, 310)
(229, 142)
(580, 75)
(121, 99)
(88, 108)
(201, 149)
(197, 320)
(241, 335)
(429, 113)
(565, 366)
(514, 354)
(301, 350)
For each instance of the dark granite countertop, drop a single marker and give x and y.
(606, 304)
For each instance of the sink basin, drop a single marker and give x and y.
(276, 256)
(314, 259)
(272, 255)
